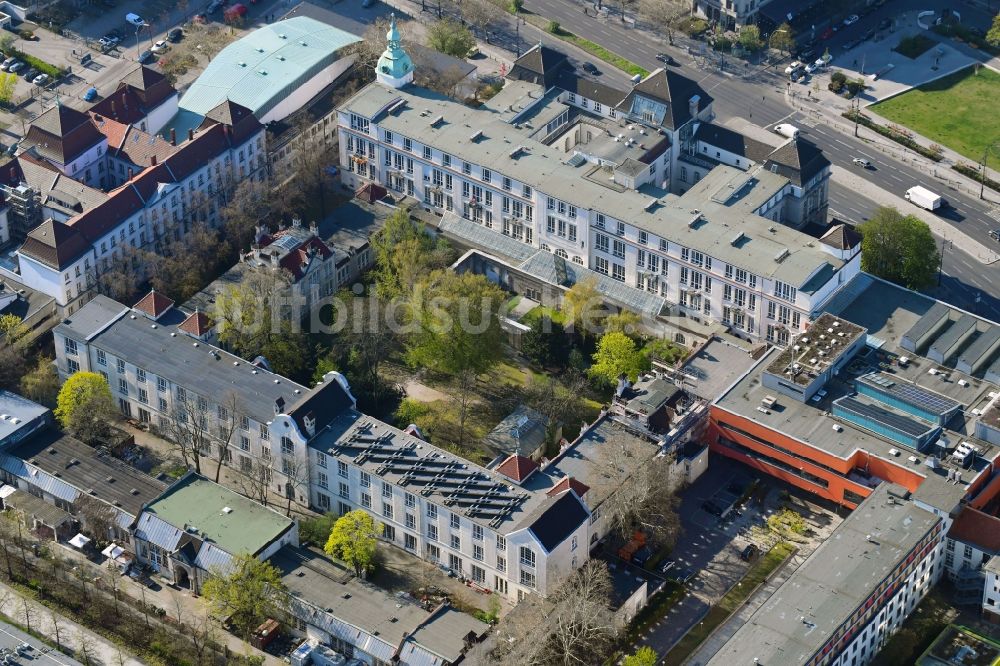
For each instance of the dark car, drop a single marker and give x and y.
(995, 234)
(175, 35)
(749, 553)
(590, 68)
(806, 55)
(885, 24)
(30, 73)
(145, 56)
(642, 556)
(667, 59)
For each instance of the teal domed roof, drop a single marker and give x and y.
(394, 66)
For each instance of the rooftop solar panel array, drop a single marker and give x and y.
(911, 394)
(891, 420)
(467, 489)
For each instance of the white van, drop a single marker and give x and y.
(787, 130)
(135, 20)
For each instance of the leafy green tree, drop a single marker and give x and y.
(354, 539)
(450, 37)
(248, 591)
(993, 35)
(644, 656)
(750, 38)
(515, 6)
(545, 344)
(617, 354)
(42, 383)
(583, 306)
(405, 254)
(625, 321)
(899, 249)
(7, 83)
(456, 330)
(85, 406)
(783, 38)
(13, 330)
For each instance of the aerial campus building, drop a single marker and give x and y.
(696, 223)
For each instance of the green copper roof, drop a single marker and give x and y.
(394, 62)
(263, 68)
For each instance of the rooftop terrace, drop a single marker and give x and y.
(816, 350)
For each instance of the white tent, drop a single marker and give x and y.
(79, 541)
(113, 551)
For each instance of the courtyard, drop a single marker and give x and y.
(956, 111)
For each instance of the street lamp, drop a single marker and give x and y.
(992, 147)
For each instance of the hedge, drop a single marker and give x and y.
(893, 134)
(32, 61)
(976, 174)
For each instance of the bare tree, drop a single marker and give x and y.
(481, 15)
(640, 492)
(228, 413)
(99, 517)
(187, 427)
(86, 646)
(254, 480)
(56, 620)
(446, 81)
(663, 15)
(296, 476)
(27, 612)
(574, 626)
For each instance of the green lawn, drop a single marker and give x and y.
(733, 599)
(956, 111)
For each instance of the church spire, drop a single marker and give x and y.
(394, 69)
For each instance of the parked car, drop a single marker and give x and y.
(591, 68)
(160, 46)
(749, 553)
(135, 20)
(885, 24)
(16, 67)
(368, 3)
(109, 41)
(41, 79)
(667, 59)
(851, 20)
(792, 67)
(90, 95)
(30, 73)
(5, 65)
(995, 234)
(236, 11)
(806, 54)
(812, 67)
(175, 35)
(145, 56)
(851, 44)
(826, 34)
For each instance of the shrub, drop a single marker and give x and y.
(26, 35)
(692, 27)
(854, 86)
(553, 27)
(839, 77)
(897, 134)
(976, 174)
(411, 411)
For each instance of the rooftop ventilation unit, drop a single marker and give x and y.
(737, 238)
(476, 135)
(781, 256)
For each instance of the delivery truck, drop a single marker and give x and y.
(786, 130)
(921, 196)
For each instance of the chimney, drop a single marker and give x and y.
(130, 173)
(113, 111)
(274, 259)
(190, 133)
(296, 223)
(693, 105)
(13, 174)
(314, 228)
(173, 137)
(309, 421)
(152, 160)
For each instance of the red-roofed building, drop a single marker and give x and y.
(154, 304)
(169, 185)
(197, 325)
(144, 98)
(569, 483)
(517, 468)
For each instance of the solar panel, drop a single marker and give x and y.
(892, 420)
(911, 394)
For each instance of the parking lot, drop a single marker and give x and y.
(25, 649)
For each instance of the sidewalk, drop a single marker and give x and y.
(71, 634)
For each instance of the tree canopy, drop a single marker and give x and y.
(583, 306)
(750, 37)
(405, 254)
(85, 406)
(993, 35)
(248, 591)
(354, 539)
(617, 354)
(545, 344)
(899, 248)
(644, 656)
(783, 38)
(451, 37)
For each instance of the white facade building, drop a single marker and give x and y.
(720, 250)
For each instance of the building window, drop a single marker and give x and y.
(123, 386)
(432, 511)
(71, 347)
(409, 542)
(477, 532)
(387, 510)
(501, 543)
(386, 490)
(264, 434)
(388, 532)
(411, 500)
(477, 552)
(366, 500)
(527, 557)
(344, 489)
(321, 459)
(527, 579)
(455, 521)
(432, 532)
(501, 563)
(366, 480)
(321, 480)
(102, 358)
(342, 468)
(411, 521)
(456, 542)
(72, 366)
(121, 368)
(140, 375)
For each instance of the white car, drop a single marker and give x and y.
(794, 66)
(135, 20)
(812, 67)
(40, 79)
(821, 63)
(160, 47)
(851, 20)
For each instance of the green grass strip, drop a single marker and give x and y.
(590, 47)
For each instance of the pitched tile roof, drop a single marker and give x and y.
(539, 64)
(197, 324)
(517, 468)
(323, 404)
(54, 244)
(733, 142)
(572, 82)
(672, 89)
(241, 119)
(977, 528)
(298, 260)
(140, 91)
(128, 142)
(370, 193)
(797, 160)
(62, 134)
(154, 304)
(841, 237)
(567, 483)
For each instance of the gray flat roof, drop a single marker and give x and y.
(545, 169)
(14, 407)
(715, 367)
(812, 424)
(821, 595)
(167, 352)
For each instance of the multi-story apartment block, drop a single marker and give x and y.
(144, 99)
(163, 200)
(729, 14)
(517, 528)
(593, 184)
